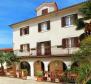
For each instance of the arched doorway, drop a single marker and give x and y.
(75, 64)
(57, 65)
(38, 67)
(25, 65)
(56, 68)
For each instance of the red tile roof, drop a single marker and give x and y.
(6, 49)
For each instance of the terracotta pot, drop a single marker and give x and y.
(24, 78)
(24, 75)
(39, 79)
(57, 80)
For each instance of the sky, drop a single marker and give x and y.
(12, 11)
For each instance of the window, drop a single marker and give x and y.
(70, 42)
(45, 11)
(25, 47)
(44, 48)
(44, 26)
(24, 30)
(68, 20)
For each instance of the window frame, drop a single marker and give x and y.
(70, 42)
(40, 26)
(24, 31)
(72, 18)
(27, 47)
(45, 11)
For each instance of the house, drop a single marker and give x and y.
(46, 42)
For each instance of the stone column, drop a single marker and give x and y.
(32, 69)
(46, 65)
(68, 64)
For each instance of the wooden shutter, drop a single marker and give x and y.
(76, 42)
(75, 17)
(63, 22)
(27, 29)
(64, 43)
(38, 49)
(28, 47)
(48, 48)
(48, 25)
(39, 27)
(21, 48)
(21, 31)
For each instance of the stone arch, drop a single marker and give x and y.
(38, 66)
(75, 64)
(57, 65)
(25, 65)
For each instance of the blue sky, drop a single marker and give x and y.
(12, 11)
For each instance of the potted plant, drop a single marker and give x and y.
(39, 75)
(24, 74)
(57, 76)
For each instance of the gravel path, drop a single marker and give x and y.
(7, 80)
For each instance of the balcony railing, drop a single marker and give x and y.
(55, 51)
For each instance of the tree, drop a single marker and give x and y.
(2, 61)
(9, 58)
(83, 56)
(85, 10)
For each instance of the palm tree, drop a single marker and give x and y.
(85, 10)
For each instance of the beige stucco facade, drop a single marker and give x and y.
(55, 35)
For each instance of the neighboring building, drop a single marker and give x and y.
(6, 49)
(47, 41)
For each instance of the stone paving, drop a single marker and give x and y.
(7, 80)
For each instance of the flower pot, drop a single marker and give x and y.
(24, 74)
(24, 78)
(57, 80)
(48, 79)
(39, 79)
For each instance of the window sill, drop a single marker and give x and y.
(43, 31)
(24, 35)
(70, 47)
(68, 26)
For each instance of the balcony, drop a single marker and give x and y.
(55, 51)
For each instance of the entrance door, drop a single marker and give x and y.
(25, 65)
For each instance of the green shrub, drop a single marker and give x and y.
(89, 82)
(39, 73)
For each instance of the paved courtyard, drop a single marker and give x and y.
(7, 80)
